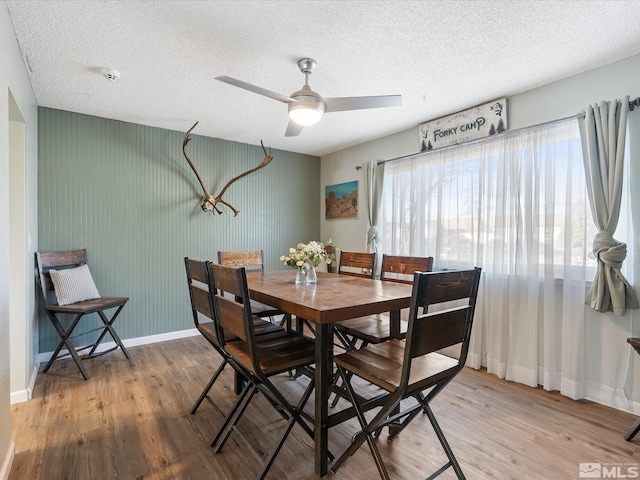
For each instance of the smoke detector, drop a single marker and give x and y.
(110, 74)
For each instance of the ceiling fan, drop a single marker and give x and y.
(306, 106)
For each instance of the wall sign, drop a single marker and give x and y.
(477, 122)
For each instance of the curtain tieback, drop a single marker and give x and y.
(609, 250)
(373, 234)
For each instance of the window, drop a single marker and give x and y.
(516, 204)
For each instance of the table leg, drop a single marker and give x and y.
(324, 374)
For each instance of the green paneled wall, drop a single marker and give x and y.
(126, 193)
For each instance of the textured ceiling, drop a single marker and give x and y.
(441, 56)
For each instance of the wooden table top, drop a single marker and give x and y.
(334, 298)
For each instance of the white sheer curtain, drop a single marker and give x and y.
(516, 206)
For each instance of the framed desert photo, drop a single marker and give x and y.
(341, 200)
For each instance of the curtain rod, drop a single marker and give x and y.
(632, 104)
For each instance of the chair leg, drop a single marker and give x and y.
(108, 327)
(285, 322)
(349, 345)
(280, 404)
(365, 434)
(294, 418)
(397, 429)
(301, 323)
(422, 400)
(65, 340)
(236, 412)
(205, 392)
(336, 397)
(301, 403)
(635, 428)
(445, 445)
(346, 344)
(279, 401)
(276, 450)
(335, 382)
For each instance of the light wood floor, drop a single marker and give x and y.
(132, 421)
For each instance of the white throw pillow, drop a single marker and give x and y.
(73, 285)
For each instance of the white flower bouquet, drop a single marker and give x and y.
(312, 253)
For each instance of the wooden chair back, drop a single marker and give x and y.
(251, 259)
(56, 260)
(357, 264)
(230, 286)
(201, 303)
(435, 330)
(400, 269)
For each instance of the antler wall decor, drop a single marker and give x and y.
(209, 202)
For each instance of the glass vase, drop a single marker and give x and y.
(312, 276)
(301, 275)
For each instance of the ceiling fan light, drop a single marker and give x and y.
(308, 107)
(305, 114)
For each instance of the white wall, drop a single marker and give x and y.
(14, 79)
(605, 333)
(18, 301)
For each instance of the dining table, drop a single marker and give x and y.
(333, 298)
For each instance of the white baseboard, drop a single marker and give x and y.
(132, 342)
(611, 397)
(20, 396)
(25, 395)
(8, 461)
(32, 380)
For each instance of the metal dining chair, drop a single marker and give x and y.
(203, 318)
(259, 359)
(413, 368)
(359, 332)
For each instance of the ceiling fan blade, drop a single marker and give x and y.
(293, 129)
(340, 104)
(255, 89)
